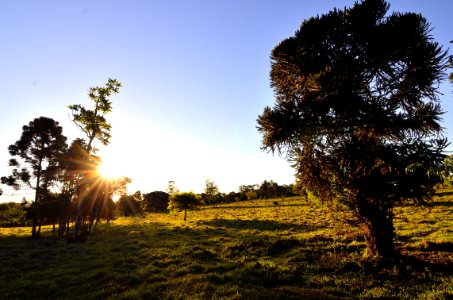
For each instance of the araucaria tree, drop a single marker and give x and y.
(357, 112)
(36, 161)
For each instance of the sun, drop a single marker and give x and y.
(109, 168)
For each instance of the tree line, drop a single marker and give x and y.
(53, 210)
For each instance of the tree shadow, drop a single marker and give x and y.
(442, 203)
(256, 206)
(444, 193)
(259, 225)
(433, 247)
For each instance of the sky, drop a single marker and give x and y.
(195, 77)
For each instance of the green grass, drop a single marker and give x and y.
(244, 250)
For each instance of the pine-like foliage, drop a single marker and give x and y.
(357, 111)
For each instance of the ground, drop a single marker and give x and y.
(262, 249)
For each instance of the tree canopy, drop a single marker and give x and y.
(183, 202)
(36, 155)
(92, 121)
(357, 111)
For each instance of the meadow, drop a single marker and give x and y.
(245, 250)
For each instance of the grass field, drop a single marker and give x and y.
(244, 250)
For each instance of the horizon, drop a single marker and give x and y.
(195, 78)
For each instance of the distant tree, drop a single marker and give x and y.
(156, 201)
(233, 197)
(129, 205)
(102, 195)
(36, 156)
(211, 192)
(12, 214)
(95, 126)
(358, 113)
(171, 189)
(268, 189)
(249, 192)
(183, 202)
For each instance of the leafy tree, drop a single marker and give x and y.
(12, 214)
(211, 192)
(129, 205)
(184, 201)
(95, 126)
(156, 201)
(268, 189)
(93, 122)
(358, 113)
(36, 156)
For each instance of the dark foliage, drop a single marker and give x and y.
(156, 201)
(129, 205)
(358, 113)
(36, 160)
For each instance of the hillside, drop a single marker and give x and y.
(246, 250)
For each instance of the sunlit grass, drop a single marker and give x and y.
(245, 250)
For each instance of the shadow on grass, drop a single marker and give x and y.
(444, 193)
(276, 206)
(442, 203)
(434, 247)
(259, 225)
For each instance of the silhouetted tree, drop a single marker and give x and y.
(156, 201)
(75, 164)
(36, 157)
(129, 205)
(183, 202)
(357, 111)
(451, 66)
(95, 126)
(102, 193)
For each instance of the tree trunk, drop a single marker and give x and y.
(39, 227)
(78, 223)
(185, 214)
(34, 233)
(379, 233)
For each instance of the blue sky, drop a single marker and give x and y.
(195, 77)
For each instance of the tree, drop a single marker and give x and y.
(101, 197)
(451, 66)
(357, 112)
(12, 214)
(129, 205)
(156, 201)
(93, 122)
(36, 156)
(172, 189)
(95, 126)
(184, 201)
(75, 164)
(268, 189)
(211, 192)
